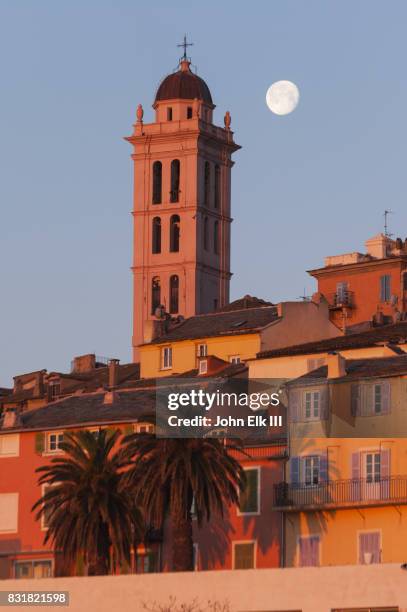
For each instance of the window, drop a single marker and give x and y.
(311, 471)
(157, 182)
(33, 569)
(308, 551)
(174, 233)
(385, 288)
(249, 502)
(202, 350)
(54, 389)
(9, 445)
(371, 399)
(166, 358)
(175, 172)
(207, 183)
(234, 359)
(243, 555)
(169, 113)
(155, 294)
(174, 294)
(217, 186)
(369, 547)
(215, 304)
(203, 366)
(205, 233)
(144, 428)
(312, 405)
(372, 467)
(8, 512)
(216, 237)
(189, 112)
(156, 242)
(54, 441)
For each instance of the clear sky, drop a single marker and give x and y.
(306, 185)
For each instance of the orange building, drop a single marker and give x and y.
(366, 288)
(182, 202)
(247, 537)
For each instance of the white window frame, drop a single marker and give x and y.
(13, 454)
(138, 428)
(15, 493)
(303, 470)
(313, 394)
(166, 362)
(203, 366)
(57, 450)
(204, 352)
(236, 543)
(235, 359)
(361, 531)
(257, 512)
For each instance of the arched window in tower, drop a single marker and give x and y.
(207, 183)
(205, 234)
(155, 294)
(174, 233)
(174, 294)
(157, 182)
(175, 170)
(217, 186)
(216, 237)
(156, 238)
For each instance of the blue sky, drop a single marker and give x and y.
(306, 185)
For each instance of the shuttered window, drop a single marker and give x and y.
(9, 445)
(8, 512)
(244, 555)
(249, 498)
(371, 399)
(385, 289)
(369, 547)
(308, 551)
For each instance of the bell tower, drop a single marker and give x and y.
(181, 210)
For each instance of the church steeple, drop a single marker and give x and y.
(182, 168)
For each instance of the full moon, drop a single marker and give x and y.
(282, 97)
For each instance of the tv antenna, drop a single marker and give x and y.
(386, 225)
(304, 298)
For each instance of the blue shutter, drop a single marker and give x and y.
(323, 468)
(294, 405)
(324, 403)
(355, 399)
(368, 401)
(385, 473)
(295, 470)
(386, 394)
(355, 469)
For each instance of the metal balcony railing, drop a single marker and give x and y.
(340, 494)
(341, 299)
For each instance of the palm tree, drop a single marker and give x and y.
(171, 474)
(89, 511)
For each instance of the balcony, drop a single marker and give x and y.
(341, 299)
(340, 494)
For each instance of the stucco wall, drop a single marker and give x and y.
(306, 589)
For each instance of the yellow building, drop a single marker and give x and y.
(235, 334)
(344, 498)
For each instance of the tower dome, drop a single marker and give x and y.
(183, 84)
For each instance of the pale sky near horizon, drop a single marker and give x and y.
(307, 185)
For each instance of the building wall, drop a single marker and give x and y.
(338, 588)
(184, 353)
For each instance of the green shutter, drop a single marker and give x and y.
(39, 443)
(248, 498)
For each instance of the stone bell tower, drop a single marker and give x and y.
(182, 193)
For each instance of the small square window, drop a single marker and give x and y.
(54, 442)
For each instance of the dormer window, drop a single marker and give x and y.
(203, 366)
(169, 113)
(54, 389)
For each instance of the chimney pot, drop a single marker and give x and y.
(336, 365)
(113, 373)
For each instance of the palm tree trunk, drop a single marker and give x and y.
(182, 546)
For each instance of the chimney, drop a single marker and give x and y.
(84, 363)
(39, 384)
(113, 373)
(336, 365)
(11, 418)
